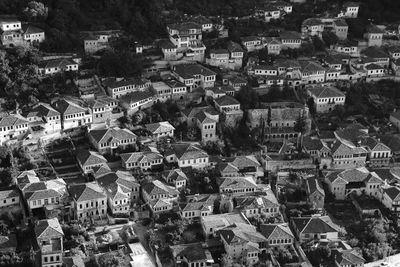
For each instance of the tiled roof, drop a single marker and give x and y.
(312, 22)
(159, 127)
(30, 29)
(61, 63)
(87, 191)
(349, 258)
(187, 151)
(226, 101)
(218, 221)
(325, 92)
(43, 110)
(115, 182)
(276, 230)
(356, 175)
(105, 135)
(5, 194)
(240, 232)
(144, 156)
(393, 192)
(86, 157)
(188, 71)
(242, 162)
(313, 185)
(157, 187)
(237, 182)
(310, 66)
(234, 47)
(175, 175)
(49, 228)
(202, 117)
(249, 39)
(67, 107)
(311, 225)
(136, 96)
(374, 29)
(253, 202)
(192, 252)
(340, 23)
(374, 66)
(185, 26)
(12, 120)
(290, 35)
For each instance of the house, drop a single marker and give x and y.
(193, 254)
(340, 28)
(211, 224)
(8, 244)
(240, 165)
(347, 155)
(102, 109)
(88, 160)
(391, 199)
(269, 12)
(53, 66)
(227, 104)
(12, 127)
(326, 98)
(136, 101)
(377, 56)
(72, 114)
(163, 91)
(194, 75)
(264, 70)
(48, 194)
(207, 123)
(160, 130)
(312, 27)
(239, 185)
(187, 155)
(95, 41)
(89, 201)
(178, 89)
(175, 177)
(117, 87)
(9, 198)
(349, 10)
(315, 193)
(237, 82)
(311, 72)
(374, 36)
(314, 228)
(379, 154)
(159, 196)
(242, 243)
(122, 191)
(354, 181)
(168, 49)
(273, 45)
(198, 206)
(290, 39)
(315, 147)
(14, 33)
(394, 52)
(277, 235)
(252, 43)
(349, 47)
(253, 206)
(49, 242)
(144, 160)
(44, 116)
(236, 54)
(350, 257)
(111, 139)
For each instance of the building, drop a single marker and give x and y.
(117, 87)
(95, 41)
(374, 36)
(139, 256)
(290, 39)
(72, 114)
(160, 130)
(315, 228)
(14, 33)
(277, 235)
(263, 205)
(273, 45)
(326, 98)
(144, 160)
(315, 193)
(12, 127)
(178, 89)
(349, 10)
(242, 243)
(89, 201)
(312, 27)
(311, 72)
(350, 257)
(391, 199)
(376, 55)
(194, 75)
(49, 242)
(175, 177)
(9, 198)
(211, 224)
(239, 185)
(48, 194)
(354, 181)
(45, 117)
(191, 255)
(198, 206)
(252, 43)
(379, 154)
(269, 12)
(187, 155)
(89, 160)
(111, 139)
(340, 28)
(159, 196)
(138, 100)
(227, 104)
(122, 191)
(347, 155)
(102, 109)
(53, 66)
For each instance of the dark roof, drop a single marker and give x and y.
(86, 157)
(188, 71)
(85, 192)
(310, 225)
(67, 107)
(192, 252)
(29, 29)
(226, 101)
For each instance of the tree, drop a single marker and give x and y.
(36, 11)
(311, 105)
(247, 97)
(301, 124)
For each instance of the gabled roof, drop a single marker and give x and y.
(374, 144)
(159, 127)
(105, 135)
(85, 192)
(356, 175)
(11, 120)
(253, 202)
(313, 185)
(30, 29)
(311, 225)
(349, 258)
(226, 101)
(136, 96)
(325, 92)
(312, 22)
(49, 228)
(188, 71)
(43, 110)
(393, 193)
(240, 232)
(374, 29)
(175, 175)
(139, 157)
(310, 66)
(67, 107)
(115, 182)
(237, 182)
(157, 187)
(192, 252)
(86, 157)
(276, 230)
(186, 151)
(5, 194)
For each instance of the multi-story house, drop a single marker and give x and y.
(379, 154)
(122, 191)
(347, 155)
(49, 242)
(239, 185)
(45, 116)
(391, 199)
(12, 126)
(89, 160)
(89, 201)
(394, 52)
(377, 56)
(163, 91)
(94, 41)
(277, 235)
(326, 98)
(264, 70)
(315, 228)
(117, 87)
(236, 54)
(187, 155)
(349, 47)
(374, 36)
(242, 243)
(175, 177)
(253, 206)
(315, 193)
(14, 33)
(136, 101)
(269, 12)
(9, 197)
(240, 165)
(354, 181)
(290, 39)
(111, 139)
(311, 72)
(315, 147)
(53, 66)
(340, 28)
(194, 75)
(312, 27)
(160, 130)
(72, 114)
(178, 89)
(344, 258)
(182, 33)
(169, 50)
(101, 109)
(144, 160)
(349, 10)
(208, 126)
(193, 254)
(252, 43)
(198, 206)
(227, 104)
(273, 45)
(159, 197)
(47, 194)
